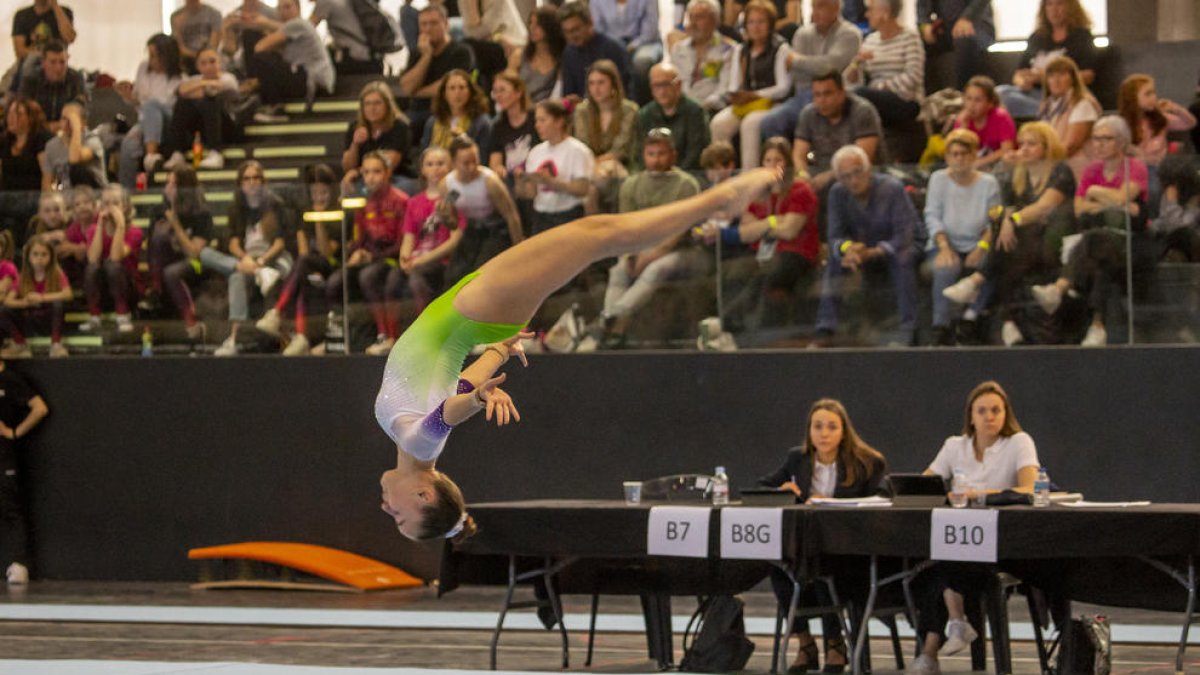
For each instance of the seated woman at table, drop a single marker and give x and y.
(995, 455)
(833, 462)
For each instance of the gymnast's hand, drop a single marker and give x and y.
(514, 347)
(499, 403)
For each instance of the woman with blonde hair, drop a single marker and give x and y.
(834, 461)
(380, 125)
(1071, 109)
(758, 79)
(1037, 214)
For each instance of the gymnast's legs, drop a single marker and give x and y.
(511, 286)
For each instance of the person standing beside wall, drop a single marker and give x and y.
(21, 409)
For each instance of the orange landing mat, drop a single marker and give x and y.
(358, 572)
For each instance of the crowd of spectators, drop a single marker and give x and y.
(498, 128)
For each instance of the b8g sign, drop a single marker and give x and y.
(751, 533)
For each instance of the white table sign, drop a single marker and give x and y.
(963, 534)
(752, 533)
(678, 531)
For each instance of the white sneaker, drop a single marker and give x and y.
(150, 161)
(58, 351)
(959, 636)
(91, 324)
(297, 347)
(964, 292)
(270, 116)
(383, 345)
(1096, 337)
(213, 159)
(16, 351)
(923, 665)
(1048, 297)
(124, 323)
(1010, 334)
(269, 323)
(228, 348)
(17, 574)
(266, 278)
(177, 161)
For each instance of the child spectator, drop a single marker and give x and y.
(433, 227)
(983, 115)
(69, 244)
(316, 257)
(374, 251)
(1071, 109)
(9, 275)
(35, 302)
(483, 199)
(114, 245)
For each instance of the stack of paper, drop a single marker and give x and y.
(851, 501)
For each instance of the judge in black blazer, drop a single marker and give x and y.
(833, 462)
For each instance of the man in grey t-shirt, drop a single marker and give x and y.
(835, 118)
(827, 43)
(196, 27)
(351, 53)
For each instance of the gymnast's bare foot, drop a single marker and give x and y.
(740, 191)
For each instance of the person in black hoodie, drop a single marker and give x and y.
(833, 462)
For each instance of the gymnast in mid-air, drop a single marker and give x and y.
(426, 392)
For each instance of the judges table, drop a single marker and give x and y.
(1138, 556)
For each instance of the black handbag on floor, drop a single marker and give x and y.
(720, 643)
(1086, 649)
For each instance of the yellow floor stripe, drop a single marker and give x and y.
(296, 129)
(322, 107)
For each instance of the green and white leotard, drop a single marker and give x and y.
(423, 370)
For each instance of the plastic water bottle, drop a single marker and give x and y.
(720, 487)
(958, 489)
(1041, 488)
(147, 342)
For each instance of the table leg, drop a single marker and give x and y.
(657, 611)
(592, 628)
(1189, 617)
(512, 585)
(548, 581)
(868, 609)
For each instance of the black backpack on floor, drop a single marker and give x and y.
(720, 644)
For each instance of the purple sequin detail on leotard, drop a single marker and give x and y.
(464, 387)
(435, 425)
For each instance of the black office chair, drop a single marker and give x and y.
(850, 615)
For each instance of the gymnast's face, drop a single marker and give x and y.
(404, 495)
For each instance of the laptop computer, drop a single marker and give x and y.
(915, 489)
(765, 496)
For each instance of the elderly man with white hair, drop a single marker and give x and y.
(873, 229)
(704, 55)
(827, 43)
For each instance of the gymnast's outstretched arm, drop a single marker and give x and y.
(487, 394)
